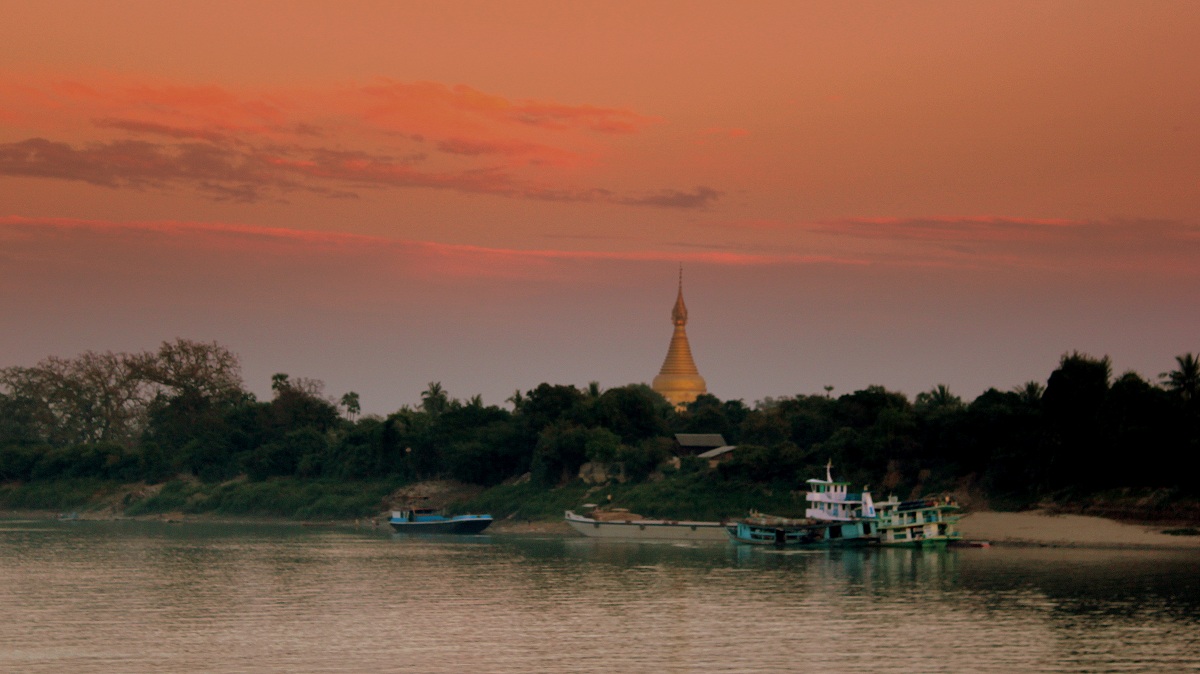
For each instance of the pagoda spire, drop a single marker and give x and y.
(679, 380)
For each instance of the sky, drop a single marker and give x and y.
(493, 195)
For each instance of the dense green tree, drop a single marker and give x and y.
(17, 421)
(182, 408)
(298, 404)
(633, 412)
(561, 450)
(708, 414)
(809, 419)
(1072, 404)
(1005, 444)
(640, 460)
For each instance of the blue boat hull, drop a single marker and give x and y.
(823, 535)
(466, 525)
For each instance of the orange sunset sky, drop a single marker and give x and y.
(497, 194)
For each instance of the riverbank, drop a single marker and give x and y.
(1042, 528)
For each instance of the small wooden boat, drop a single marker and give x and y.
(432, 521)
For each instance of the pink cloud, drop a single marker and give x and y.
(122, 132)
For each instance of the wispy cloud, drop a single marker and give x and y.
(63, 235)
(698, 198)
(225, 144)
(1152, 245)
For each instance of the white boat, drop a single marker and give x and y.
(835, 517)
(832, 501)
(919, 523)
(634, 528)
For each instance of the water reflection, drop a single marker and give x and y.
(143, 597)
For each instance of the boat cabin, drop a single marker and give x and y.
(416, 515)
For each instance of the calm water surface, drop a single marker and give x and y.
(148, 597)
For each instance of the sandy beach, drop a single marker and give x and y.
(1042, 528)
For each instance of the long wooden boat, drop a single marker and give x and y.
(432, 521)
(635, 528)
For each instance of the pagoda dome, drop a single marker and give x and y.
(679, 380)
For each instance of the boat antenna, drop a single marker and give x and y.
(828, 467)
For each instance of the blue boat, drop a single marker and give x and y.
(432, 521)
(783, 532)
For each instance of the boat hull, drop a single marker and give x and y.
(472, 525)
(647, 529)
(922, 543)
(810, 535)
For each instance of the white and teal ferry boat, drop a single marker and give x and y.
(918, 523)
(835, 517)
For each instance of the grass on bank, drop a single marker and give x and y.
(695, 496)
(62, 495)
(282, 497)
(525, 501)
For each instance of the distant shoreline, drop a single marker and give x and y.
(1030, 529)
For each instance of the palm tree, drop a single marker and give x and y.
(350, 402)
(434, 399)
(1186, 380)
(1030, 392)
(940, 396)
(517, 399)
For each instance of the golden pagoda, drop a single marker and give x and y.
(679, 381)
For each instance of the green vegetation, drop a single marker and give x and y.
(73, 431)
(61, 495)
(526, 501)
(282, 497)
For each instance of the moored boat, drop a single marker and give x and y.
(835, 517)
(831, 500)
(918, 523)
(761, 529)
(622, 525)
(432, 521)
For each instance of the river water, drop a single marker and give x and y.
(136, 597)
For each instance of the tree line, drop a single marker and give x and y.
(184, 409)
